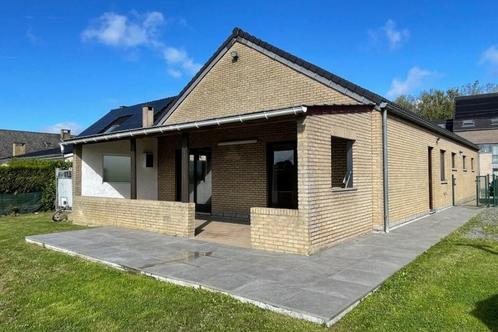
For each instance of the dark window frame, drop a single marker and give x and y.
(442, 165)
(349, 163)
(453, 160)
(270, 148)
(464, 166)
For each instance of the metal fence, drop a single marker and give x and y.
(486, 190)
(20, 202)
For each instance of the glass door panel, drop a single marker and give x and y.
(282, 176)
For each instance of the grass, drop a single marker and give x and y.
(453, 286)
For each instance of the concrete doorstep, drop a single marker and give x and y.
(321, 288)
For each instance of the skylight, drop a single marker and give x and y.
(114, 125)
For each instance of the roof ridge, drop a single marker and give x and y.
(143, 103)
(30, 131)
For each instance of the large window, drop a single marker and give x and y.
(442, 154)
(282, 175)
(341, 162)
(116, 168)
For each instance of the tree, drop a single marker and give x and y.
(437, 104)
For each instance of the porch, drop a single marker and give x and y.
(235, 185)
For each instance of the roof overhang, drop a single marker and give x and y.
(216, 122)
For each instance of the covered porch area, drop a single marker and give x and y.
(232, 183)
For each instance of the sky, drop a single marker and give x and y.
(64, 64)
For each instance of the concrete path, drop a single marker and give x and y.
(320, 288)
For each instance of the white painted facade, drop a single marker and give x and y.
(92, 183)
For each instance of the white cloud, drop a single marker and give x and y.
(136, 30)
(414, 80)
(180, 62)
(490, 57)
(32, 37)
(56, 128)
(390, 34)
(116, 30)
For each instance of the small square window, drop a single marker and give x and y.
(342, 162)
(149, 159)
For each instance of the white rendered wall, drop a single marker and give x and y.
(146, 176)
(92, 183)
(92, 170)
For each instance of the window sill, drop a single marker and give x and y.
(454, 169)
(339, 190)
(444, 182)
(465, 170)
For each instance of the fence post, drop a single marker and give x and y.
(477, 191)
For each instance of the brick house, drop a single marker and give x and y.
(304, 157)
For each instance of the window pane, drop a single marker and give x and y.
(443, 173)
(341, 162)
(117, 168)
(283, 175)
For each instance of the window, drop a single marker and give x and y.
(342, 162)
(464, 163)
(453, 160)
(282, 175)
(114, 125)
(485, 148)
(116, 168)
(442, 165)
(468, 123)
(472, 164)
(494, 121)
(149, 159)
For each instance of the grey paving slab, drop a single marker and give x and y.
(318, 288)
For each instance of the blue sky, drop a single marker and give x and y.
(66, 63)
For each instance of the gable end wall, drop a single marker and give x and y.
(255, 82)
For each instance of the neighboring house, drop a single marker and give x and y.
(476, 119)
(27, 144)
(306, 157)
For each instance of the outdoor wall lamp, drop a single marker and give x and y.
(235, 56)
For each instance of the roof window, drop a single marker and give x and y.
(114, 125)
(468, 123)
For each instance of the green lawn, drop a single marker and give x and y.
(454, 286)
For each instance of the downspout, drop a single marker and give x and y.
(385, 177)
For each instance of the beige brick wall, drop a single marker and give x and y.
(239, 179)
(335, 215)
(171, 218)
(76, 173)
(254, 83)
(279, 230)
(480, 136)
(408, 171)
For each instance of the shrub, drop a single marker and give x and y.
(32, 175)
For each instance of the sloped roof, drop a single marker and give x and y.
(347, 87)
(135, 116)
(338, 82)
(34, 141)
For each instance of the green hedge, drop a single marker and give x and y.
(32, 175)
